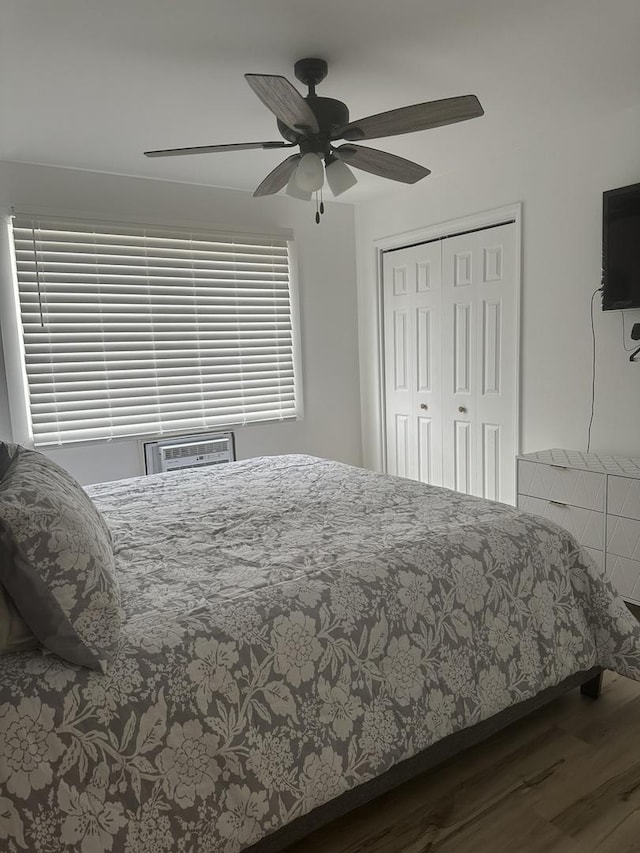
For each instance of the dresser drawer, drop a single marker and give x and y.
(566, 485)
(587, 526)
(623, 537)
(623, 497)
(624, 574)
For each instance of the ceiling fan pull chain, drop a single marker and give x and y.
(317, 211)
(321, 203)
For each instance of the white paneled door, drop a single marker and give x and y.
(451, 347)
(413, 368)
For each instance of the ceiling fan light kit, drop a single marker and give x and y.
(309, 176)
(314, 123)
(339, 176)
(294, 190)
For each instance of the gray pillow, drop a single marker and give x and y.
(15, 635)
(56, 560)
(7, 452)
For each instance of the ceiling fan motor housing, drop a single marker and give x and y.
(330, 114)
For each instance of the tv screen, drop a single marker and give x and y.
(621, 248)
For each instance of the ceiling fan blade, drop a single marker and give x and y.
(410, 119)
(210, 149)
(381, 163)
(284, 101)
(278, 177)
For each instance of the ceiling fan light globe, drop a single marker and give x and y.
(294, 190)
(309, 176)
(340, 177)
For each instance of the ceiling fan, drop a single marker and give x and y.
(314, 124)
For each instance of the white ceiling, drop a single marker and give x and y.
(90, 84)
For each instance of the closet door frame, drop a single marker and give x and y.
(451, 228)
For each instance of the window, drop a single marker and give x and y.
(133, 331)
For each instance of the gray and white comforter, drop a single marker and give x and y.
(293, 627)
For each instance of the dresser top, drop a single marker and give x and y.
(603, 462)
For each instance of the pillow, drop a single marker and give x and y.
(7, 452)
(56, 560)
(15, 635)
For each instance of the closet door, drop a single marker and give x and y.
(479, 362)
(412, 280)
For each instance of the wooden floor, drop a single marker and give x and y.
(564, 780)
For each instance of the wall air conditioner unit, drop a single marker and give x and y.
(188, 451)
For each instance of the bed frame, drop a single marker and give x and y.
(589, 682)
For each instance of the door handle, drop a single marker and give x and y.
(462, 410)
(424, 407)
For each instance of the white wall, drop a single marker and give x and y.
(327, 293)
(559, 178)
(5, 423)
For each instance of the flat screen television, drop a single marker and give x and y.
(621, 248)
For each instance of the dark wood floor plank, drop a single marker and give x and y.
(596, 815)
(625, 838)
(516, 829)
(617, 710)
(593, 772)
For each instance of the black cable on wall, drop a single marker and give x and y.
(593, 369)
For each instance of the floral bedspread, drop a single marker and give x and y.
(293, 627)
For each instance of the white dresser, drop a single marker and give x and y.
(597, 498)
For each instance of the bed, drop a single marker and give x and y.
(297, 635)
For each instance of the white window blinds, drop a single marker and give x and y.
(131, 331)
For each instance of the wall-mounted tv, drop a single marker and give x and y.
(621, 248)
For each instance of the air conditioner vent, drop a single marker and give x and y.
(186, 450)
(189, 451)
